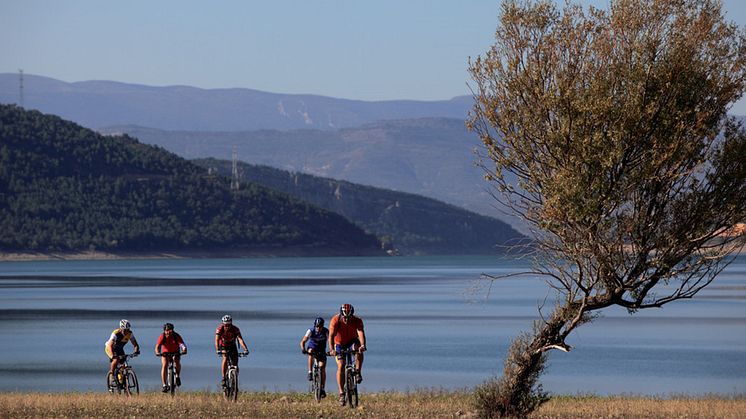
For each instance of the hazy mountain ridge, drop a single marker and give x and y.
(432, 157)
(64, 187)
(100, 104)
(407, 223)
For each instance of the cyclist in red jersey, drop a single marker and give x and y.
(170, 341)
(345, 332)
(226, 336)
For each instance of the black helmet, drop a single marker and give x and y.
(319, 322)
(168, 326)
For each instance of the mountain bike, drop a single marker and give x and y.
(171, 372)
(349, 383)
(316, 387)
(230, 380)
(125, 379)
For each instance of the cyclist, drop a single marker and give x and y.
(226, 336)
(114, 347)
(346, 332)
(316, 338)
(170, 341)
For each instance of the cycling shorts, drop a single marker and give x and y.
(318, 353)
(232, 352)
(118, 351)
(355, 343)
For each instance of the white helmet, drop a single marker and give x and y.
(227, 319)
(124, 324)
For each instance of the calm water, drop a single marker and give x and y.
(429, 322)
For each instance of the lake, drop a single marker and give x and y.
(430, 322)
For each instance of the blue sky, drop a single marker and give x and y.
(368, 50)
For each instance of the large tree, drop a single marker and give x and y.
(607, 131)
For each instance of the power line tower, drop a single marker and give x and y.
(234, 171)
(20, 87)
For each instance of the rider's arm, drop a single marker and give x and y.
(332, 333)
(361, 334)
(134, 343)
(304, 340)
(361, 338)
(158, 345)
(182, 345)
(242, 343)
(217, 340)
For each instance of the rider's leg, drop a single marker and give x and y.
(340, 371)
(359, 361)
(177, 365)
(113, 367)
(164, 367)
(224, 365)
(322, 367)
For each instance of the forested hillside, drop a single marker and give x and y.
(408, 223)
(64, 187)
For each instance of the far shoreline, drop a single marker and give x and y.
(20, 256)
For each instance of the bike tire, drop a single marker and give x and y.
(351, 389)
(131, 384)
(171, 382)
(226, 387)
(316, 383)
(109, 378)
(233, 385)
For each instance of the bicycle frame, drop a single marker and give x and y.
(349, 385)
(171, 370)
(230, 391)
(128, 382)
(315, 376)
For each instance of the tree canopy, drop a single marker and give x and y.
(64, 187)
(607, 131)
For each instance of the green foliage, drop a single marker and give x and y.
(628, 168)
(63, 187)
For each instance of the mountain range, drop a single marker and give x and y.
(432, 157)
(419, 147)
(99, 104)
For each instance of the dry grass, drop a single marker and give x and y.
(422, 404)
(643, 407)
(250, 405)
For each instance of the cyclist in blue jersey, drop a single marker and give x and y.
(316, 337)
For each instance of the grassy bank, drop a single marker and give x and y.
(373, 405)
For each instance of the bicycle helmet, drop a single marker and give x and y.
(124, 324)
(319, 322)
(227, 319)
(168, 326)
(347, 310)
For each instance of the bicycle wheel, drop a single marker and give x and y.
(226, 386)
(316, 384)
(233, 380)
(171, 381)
(109, 380)
(131, 384)
(351, 389)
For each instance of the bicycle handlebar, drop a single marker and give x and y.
(240, 354)
(169, 353)
(305, 352)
